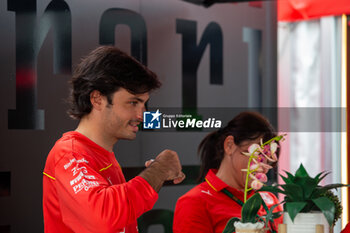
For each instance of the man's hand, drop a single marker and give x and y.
(170, 163)
(165, 167)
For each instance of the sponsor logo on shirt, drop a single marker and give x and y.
(82, 180)
(207, 192)
(81, 175)
(66, 166)
(85, 185)
(76, 169)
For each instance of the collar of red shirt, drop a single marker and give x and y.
(82, 138)
(218, 185)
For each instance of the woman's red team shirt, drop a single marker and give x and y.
(206, 209)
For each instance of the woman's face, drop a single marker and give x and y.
(239, 161)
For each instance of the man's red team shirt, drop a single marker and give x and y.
(84, 190)
(205, 209)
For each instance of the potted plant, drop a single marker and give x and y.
(306, 202)
(250, 221)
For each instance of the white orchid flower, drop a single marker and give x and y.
(254, 149)
(273, 147)
(246, 153)
(274, 159)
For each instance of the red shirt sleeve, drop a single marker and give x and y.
(191, 216)
(90, 204)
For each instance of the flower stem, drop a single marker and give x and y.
(247, 179)
(277, 138)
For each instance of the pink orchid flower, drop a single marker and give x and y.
(259, 156)
(256, 184)
(261, 177)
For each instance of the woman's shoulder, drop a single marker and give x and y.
(191, 213)
(197, 194)
(193, 203)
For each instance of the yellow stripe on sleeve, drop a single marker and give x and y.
(49, 176)
(105, 168)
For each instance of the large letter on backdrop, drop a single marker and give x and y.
(192, 55)
(30, 36)
(114, 17)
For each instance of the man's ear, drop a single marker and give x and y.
(97, 100)
(229, 145)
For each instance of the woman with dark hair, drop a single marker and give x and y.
(206, 207)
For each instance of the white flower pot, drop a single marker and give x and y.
(249, 227)
(305, 222)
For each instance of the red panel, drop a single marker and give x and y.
(293, 10)
(257, 4)
(348, 108)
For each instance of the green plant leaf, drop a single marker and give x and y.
(270, 215)
(333, 186)
(286, 180)
(250, 208)
(277, 214)
(337, 204)
(324, 174)
(317, 177)
(273, 189)
(293, 208)
(327, 208)
(319, 191)
(301, 172)
(308, 185)
(290, 177)
(310, 206)
(293, 191)
(230, 227)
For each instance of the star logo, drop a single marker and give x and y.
(156, 115)
(151, 120)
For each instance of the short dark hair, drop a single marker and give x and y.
(246, 126)
(106, 69)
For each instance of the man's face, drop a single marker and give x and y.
(122, 117)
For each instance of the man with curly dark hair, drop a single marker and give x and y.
(84, 189)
